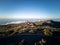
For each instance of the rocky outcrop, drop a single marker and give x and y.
(45, 29)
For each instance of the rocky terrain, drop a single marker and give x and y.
(48, 30)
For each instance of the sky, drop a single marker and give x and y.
(30, 9)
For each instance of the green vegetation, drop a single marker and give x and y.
(47, 32)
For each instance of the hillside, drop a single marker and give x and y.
(48, 28)
(29, 27)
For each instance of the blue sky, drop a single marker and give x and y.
(29, 9)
